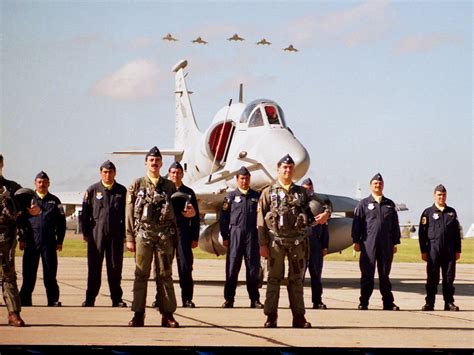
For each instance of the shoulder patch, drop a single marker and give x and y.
(225, 204)
(423, 220)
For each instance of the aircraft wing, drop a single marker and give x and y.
(340, 203)
(401, 206)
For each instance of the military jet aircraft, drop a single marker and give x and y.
(169, 37)
(236, 37)
(240, 135)
(264, 42)
(290, 48)
(199, 40)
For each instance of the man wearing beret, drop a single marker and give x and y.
(188, 237)
(318, 238)
(103, 227)
(150, 224)
(440, 245)
(283, 216)
(44, 239)
(238, 226)
(376, 233)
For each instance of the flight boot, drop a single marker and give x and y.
(228, 304)
(119, 304)
(428, 307)
(319, 305)
(15, 320)
(300, 322)
(138, 320)
(271, 321)
(189, 304)
(450, 306)
(391, 307)
(168, 321)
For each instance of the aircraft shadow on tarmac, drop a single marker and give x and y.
(401, 285)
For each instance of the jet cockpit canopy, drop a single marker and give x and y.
(263, 112)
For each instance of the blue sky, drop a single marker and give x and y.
(377, 86)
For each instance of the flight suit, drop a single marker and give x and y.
(318, 238)
(151, 224)
(45, 232)
(103, 225)
(439, 236)
(282, 220)
(375, 227)
(8, 231)
(238, 225)
(188, 231)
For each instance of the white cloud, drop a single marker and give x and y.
(135, 80)
(424, 43)
(359, 24)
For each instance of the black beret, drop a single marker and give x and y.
(175, 165)
(108, 165)
(243, 171)
(287, 159)
(153, 152)
(440, 188)
(307, 181)
(42, 175)
(377, 177)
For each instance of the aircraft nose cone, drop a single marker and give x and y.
(281, 144)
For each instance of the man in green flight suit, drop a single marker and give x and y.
(283, 216)
(151, 230)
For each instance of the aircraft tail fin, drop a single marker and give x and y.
(186, 131)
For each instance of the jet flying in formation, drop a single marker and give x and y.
(169, 37)
(199, 40)
(290, 48)
(236, 37)
(264, 41)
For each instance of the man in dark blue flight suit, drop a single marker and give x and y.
(375, 233)
(238, 226)
(318, 237)
(103, 227)
(44, 238)
(188, 237)
(440, 245)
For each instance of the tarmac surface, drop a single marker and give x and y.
(341, 326)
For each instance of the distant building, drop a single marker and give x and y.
(470, 232)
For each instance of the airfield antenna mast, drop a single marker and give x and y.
(241, 93)
(220, 140)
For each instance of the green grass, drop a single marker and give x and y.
(76, 247)
(408, 251)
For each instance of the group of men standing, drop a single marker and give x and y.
(156, 217)
(376, 234)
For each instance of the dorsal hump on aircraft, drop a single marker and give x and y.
(230, 113)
